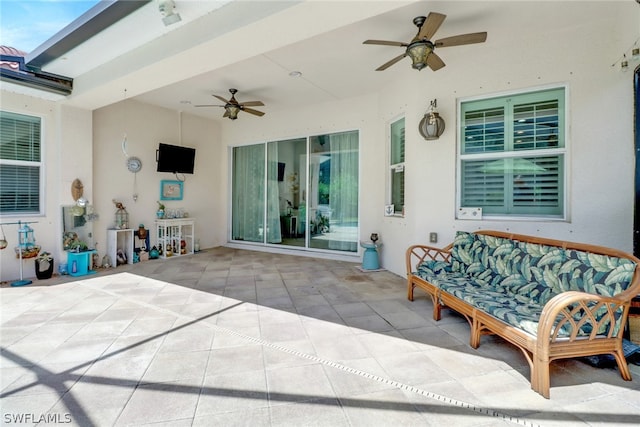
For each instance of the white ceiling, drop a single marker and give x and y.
(254, 45)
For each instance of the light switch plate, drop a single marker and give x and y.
(470, 213)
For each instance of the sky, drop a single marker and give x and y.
(26, 24)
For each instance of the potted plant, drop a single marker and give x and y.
(160, 211)
(44, 265)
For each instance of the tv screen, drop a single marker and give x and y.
(175, 159)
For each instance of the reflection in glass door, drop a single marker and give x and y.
(333, 192)
(284, 193)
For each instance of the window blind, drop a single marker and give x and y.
(20, 163)
(512, 154)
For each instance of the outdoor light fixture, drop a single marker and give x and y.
(432, 125)
(418, 51)
(167, 8)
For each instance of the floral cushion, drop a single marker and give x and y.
(595, 274)
(513, 280)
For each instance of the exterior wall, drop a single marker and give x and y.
(600, 165)
(588, 38)
(145, 126)
(67, 154)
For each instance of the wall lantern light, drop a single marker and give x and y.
(432, 125)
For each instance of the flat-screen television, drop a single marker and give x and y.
(175, 159)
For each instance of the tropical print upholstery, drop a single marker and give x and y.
(513, 280)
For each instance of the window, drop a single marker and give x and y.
(512, 154)
(396, 166)
(20, 164)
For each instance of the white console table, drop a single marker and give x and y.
(175, 237)
(120, 239)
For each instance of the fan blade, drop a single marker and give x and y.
(431, 25)
(208, 105)
(252, 111)
(435, 62)
(461, 39)
(221, 99)
(390, 63)
(252, 104)
(384, 43)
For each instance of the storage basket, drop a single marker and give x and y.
(634, 328)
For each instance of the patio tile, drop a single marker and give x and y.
(265, 339)
(166, 402)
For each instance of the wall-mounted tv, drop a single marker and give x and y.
(175, 159)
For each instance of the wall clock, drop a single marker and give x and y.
(134, 164)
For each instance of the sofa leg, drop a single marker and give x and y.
(437, 309)
(622, 365)
(540, 381)
(474, 339)
(410, 288)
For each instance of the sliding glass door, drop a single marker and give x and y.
(333, 192)
(248, 182)
(299, 192)
(285, 159)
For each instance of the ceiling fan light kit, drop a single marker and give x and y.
(232, 107)
(421, 49)
(418, 52)
(432, 125)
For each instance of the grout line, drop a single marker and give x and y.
(402, 386)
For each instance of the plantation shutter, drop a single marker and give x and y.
(397, 165)
(20, 163)
(512, 154)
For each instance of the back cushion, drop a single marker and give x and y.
(535, 272)
(484, 257)
(596, 274)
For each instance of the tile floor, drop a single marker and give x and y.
(232, 337)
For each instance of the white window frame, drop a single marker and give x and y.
(39, 164)
(393, 168)
(564, 151)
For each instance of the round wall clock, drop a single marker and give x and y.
(134, 164)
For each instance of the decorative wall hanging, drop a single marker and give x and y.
(171, 190)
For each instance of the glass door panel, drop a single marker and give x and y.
(248, 190)
(333, 192)
(285, 200)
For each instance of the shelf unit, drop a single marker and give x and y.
(170, 233)
(120, 239)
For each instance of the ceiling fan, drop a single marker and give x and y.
(421, 49)
(233, 107)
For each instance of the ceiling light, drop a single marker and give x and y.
(295, 74)
(418, 51)
(232, 111)
(167, 9)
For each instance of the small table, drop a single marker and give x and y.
(80, 263)
(370, 259)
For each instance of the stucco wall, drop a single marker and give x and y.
(578, 55)
(145, 126)
(584, 40)
(67, 154)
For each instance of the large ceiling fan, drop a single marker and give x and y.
(232, 107)
(421, 49)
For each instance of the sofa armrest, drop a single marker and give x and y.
(418, 254)
(574, 315)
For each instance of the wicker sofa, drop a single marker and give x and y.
(551, 299)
